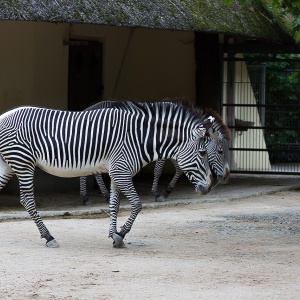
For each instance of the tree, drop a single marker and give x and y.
(286, 11)
(282, 99)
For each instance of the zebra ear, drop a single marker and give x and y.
(208, 122)
(201, 130)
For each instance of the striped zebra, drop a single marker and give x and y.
(216, 142)
(120, 143)
(217, 145)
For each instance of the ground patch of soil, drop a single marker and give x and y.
(243, 249)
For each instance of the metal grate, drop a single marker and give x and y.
(261, 105)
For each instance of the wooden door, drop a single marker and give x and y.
(85, 74)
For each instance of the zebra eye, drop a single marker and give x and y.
(220, 151)
(202, 152)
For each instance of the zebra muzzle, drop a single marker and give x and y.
(203, 189)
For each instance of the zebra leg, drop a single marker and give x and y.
(83, 191)
(127, 188)
(167, 191)
(114, 205)
(102, 186)
(157, 173)
(27, 200)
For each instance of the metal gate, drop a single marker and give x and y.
(261, 106)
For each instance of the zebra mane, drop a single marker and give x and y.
(167, 104)
(170, 104)
(218, 123)
(203, 113)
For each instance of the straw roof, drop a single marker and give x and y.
(252, 21)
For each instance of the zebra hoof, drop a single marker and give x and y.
(160, 199)
(52, 244)
(118, 241)
(166, 194)
(86, 200)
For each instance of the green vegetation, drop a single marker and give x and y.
(284, 12)
(282, 113)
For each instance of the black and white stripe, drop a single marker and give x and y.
(70, 144)
(216, 143)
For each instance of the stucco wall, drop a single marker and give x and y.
(138, 63)
(251, 138)
(34, 64)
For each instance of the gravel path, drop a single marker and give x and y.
(241, 249)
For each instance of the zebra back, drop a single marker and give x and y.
(216, 139)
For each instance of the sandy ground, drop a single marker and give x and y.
(243, 249)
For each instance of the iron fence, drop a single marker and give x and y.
(261, 105)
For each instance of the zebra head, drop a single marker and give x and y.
(218, 154)
(193, 160)
(217, 145)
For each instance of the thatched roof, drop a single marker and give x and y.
(251, 21)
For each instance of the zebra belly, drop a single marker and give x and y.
(76, 171)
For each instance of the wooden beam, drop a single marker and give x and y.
(259, 47)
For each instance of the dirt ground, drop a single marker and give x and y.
(243, 249)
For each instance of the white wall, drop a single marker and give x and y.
(143, 63)
(138, 63)
(243, 94)
(34, 64)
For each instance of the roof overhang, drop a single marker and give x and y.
(251, 21)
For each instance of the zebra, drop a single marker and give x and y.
(216, 142)
(217, 145)
(120, 143)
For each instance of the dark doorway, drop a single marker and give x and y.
(85, 74)
(208, 70)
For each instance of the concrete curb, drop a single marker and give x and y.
(240, 187)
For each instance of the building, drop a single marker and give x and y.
(69, 54)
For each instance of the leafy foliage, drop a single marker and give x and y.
(285, 11)
(282, 114)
